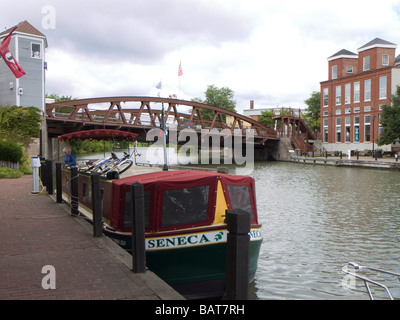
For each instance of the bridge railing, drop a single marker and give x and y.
(118, 111)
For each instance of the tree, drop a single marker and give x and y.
(390, 121)
(19, 124)
(266, 118)
(313, 112)
(217, 97)
(58, 98)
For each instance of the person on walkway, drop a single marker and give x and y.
(69, 158)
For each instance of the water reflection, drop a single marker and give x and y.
(315, 220)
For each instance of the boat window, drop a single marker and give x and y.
(185, 206)
(127, 211)
(240, 198)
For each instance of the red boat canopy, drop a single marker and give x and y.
(99, 134)
(164, 187)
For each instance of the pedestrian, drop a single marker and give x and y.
(69, 158)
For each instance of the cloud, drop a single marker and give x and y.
(268, 51)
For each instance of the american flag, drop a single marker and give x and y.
(180, 72)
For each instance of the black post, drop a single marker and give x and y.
(96, 202)
(49, 169)
(238, 254)
(43, 171)
(358, 155)
(138, 229)
(74, 191)
(341, 155)
(59, 182)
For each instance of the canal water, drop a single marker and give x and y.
(315, 219)
(318, 218)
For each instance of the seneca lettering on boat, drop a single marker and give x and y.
(177, 241)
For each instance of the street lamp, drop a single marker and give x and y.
(373, 141)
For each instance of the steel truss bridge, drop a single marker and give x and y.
(141, 114)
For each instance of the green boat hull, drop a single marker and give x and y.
(195, 272)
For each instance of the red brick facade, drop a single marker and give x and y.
(358, 86)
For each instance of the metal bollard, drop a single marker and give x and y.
(74, 191)
(238, 254)
(138, 229)
(59, 182)
(96, 201)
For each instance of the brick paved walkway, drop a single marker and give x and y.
(35, 231)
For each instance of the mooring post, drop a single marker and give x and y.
(138, 229)
(59, 182)
(96, 202)
(43, 171)
(74, 191)
(238, 254)
(49, 174)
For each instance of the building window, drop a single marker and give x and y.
(325, 136)
(347, 93)
(338, 112)
(35, 51)
(338, 129)
(357, 129)
(347, 111)
(338, 95)
(347, 129)
(367, 109)
(367, 128)
(367, 90)
(366, 63)
(356, 109)
(325, 113)
(349, 69)
(326, 97)
(334, 72)
(382, 87)
(356, 92)
(385, 59)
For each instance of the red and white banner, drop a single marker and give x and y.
(8, 57)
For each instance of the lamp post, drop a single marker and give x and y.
(373, 138)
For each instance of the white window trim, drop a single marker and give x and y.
(366, 98)
(365, 65)
(40, 52)
(356, 92)
(381, 89)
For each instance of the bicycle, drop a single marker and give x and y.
(112, 163)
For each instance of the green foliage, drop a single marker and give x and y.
(91, 146)
(313, 112)
(11, 151)
(19, 124)
(390, 121)
(266, 118)
(217, 97)
(58, 98)
(7, 173)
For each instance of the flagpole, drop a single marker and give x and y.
(163, 128)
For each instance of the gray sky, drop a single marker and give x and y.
(273, 52)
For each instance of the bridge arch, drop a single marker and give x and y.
(140, 114)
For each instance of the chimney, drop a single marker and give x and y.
(251, 104)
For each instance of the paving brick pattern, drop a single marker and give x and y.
(35, 231)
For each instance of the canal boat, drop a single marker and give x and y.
(186, 231)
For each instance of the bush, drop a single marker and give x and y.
(7, 173)
(11, 151)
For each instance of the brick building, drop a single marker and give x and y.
(351, 100)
